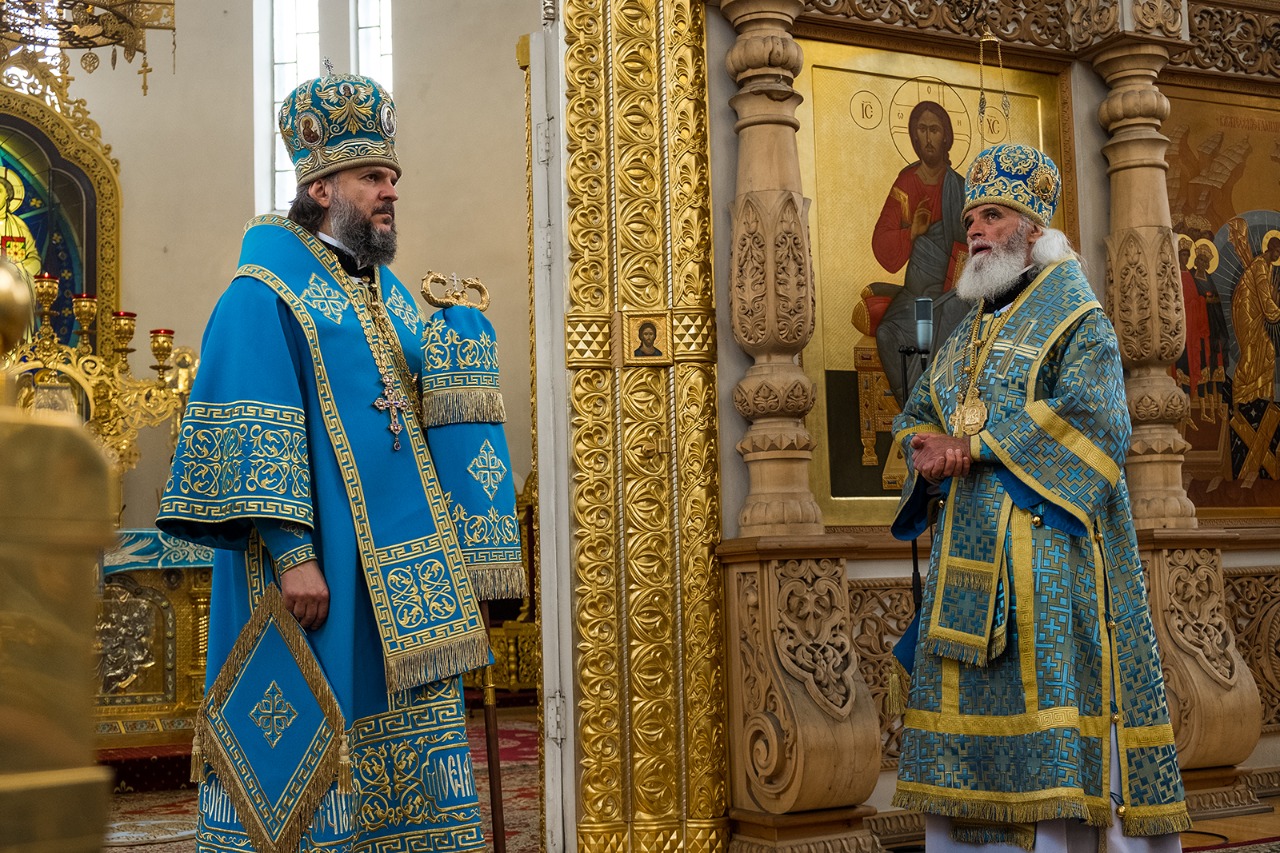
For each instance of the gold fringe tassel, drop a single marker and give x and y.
(404, 672)
(974, 579)
(502, 580)
(346, 777)
(999, 642)
(974, 832)
(967, 806)
(197, 753)
(463, 406)
(1156, 820)
(955, 650)
(899, 683)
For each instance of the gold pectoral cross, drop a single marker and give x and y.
(394, 405)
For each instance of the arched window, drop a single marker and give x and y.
(352, 34)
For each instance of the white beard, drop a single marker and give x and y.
(991, 275)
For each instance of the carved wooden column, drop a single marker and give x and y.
(771, 294)
(1213, 697)
(1144, 293)
(803, 730)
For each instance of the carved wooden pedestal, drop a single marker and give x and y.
(803, 728)
(1214, 703)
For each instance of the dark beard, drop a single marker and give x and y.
(370, 246)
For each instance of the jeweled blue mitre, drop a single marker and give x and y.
(1016, 176)
(337, 122)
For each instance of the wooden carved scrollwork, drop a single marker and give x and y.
(1253, 598)
(1234, 40)
(1157, 17)
(881, 610)
(804, 723)
(769, 728)
(771, 290)
(1207, 681)
(814, 643)
(1197, 613)
(1056, 24)
(1129, 299)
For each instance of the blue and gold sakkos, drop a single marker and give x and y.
(1035, 638)
(286, 432)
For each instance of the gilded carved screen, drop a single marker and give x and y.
(1224, 199)
(60, 189)
(885, 139)
(46, 203)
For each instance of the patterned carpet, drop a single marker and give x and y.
(165, 821)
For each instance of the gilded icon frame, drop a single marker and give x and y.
(632, 345)
(34, 103)
(848, 190)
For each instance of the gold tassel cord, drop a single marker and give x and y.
(197, 755)
(989, 37)
(346, 777)
(899, 684)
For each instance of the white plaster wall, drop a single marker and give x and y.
(732, 362)
(186, 154)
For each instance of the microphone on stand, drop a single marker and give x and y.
(924, 326)
(924, 343)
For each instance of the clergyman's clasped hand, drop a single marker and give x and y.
(937, 457)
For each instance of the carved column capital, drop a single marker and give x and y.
(771, 271)
(1143, 286)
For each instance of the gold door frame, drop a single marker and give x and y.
(644, 458)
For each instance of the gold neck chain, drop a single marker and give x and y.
(970, 415)
(384, 344)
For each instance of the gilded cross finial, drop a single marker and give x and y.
(328, 67)
(454, 291)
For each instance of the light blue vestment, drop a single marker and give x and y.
(1035, 606)
(283, 426)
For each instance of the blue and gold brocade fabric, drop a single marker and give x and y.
(1035, 637)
